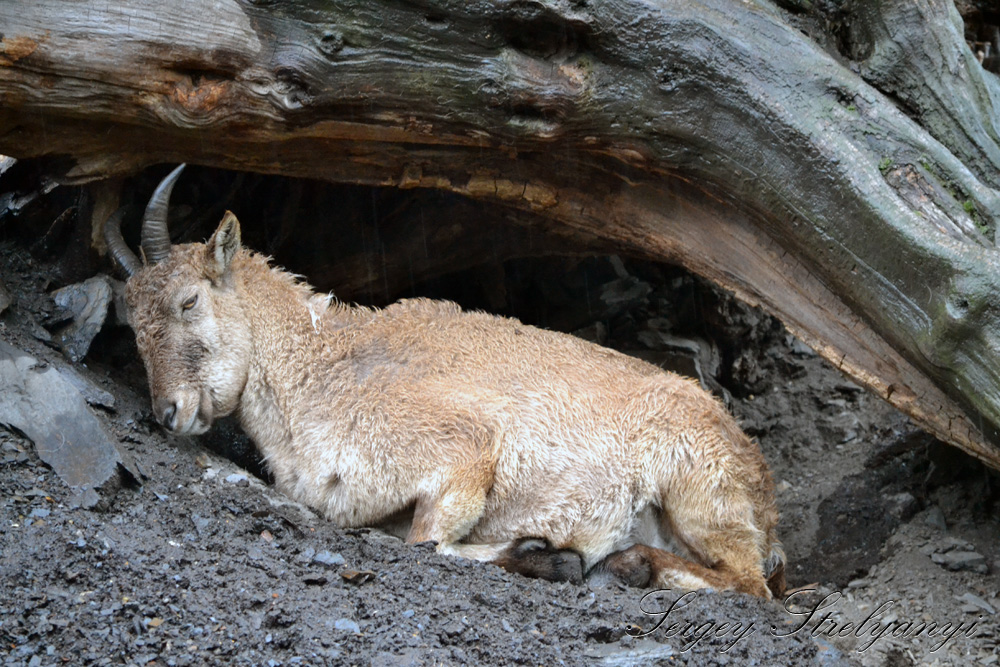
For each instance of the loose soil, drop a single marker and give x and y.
(200, 562)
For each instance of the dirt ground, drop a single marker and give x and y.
(201, 563)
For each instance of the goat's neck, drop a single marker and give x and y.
(293, 332)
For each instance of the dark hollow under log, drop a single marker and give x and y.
(848, 191)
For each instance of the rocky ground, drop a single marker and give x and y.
(186, 558)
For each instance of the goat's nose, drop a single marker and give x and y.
(168, 414)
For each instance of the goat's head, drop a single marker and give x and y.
(189, 323)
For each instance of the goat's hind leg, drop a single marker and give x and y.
(643, 566)
(717, 500)
(730, 556)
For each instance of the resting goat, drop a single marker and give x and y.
(536, 450)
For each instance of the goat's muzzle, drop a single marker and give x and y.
(185, 411)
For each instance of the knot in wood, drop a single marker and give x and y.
(543, 32)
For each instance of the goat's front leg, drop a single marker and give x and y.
(448, 518)
(453, 503)
(448, 515)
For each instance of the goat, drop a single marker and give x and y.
(532, 449)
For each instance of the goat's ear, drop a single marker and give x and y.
(223, 245)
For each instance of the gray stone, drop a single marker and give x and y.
(935, 518)
(976, 602)
(5, 298)
(453, 628)
(799, 348)
(347, 625)
(841, 427)
(627, 654)
(87, 304)
(625, 293)
(328, 559)
(36, 330)
(39, 402)
(237, 478)
(201, 524)
(692, 357)
(949, 543)
(90, 391)
(618, 266)
(961, 560)
(118, 306)
(902, 505)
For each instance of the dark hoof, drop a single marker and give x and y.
(629, 567)
(535, 557)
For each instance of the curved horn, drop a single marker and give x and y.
(123, 257)
(155, 236)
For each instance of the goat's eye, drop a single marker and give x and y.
(189, 304)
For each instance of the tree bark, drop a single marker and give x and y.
(844, 180)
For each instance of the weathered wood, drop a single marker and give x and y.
(712, 133)
(953, 99)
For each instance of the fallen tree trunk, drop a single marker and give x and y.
(714, 133)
